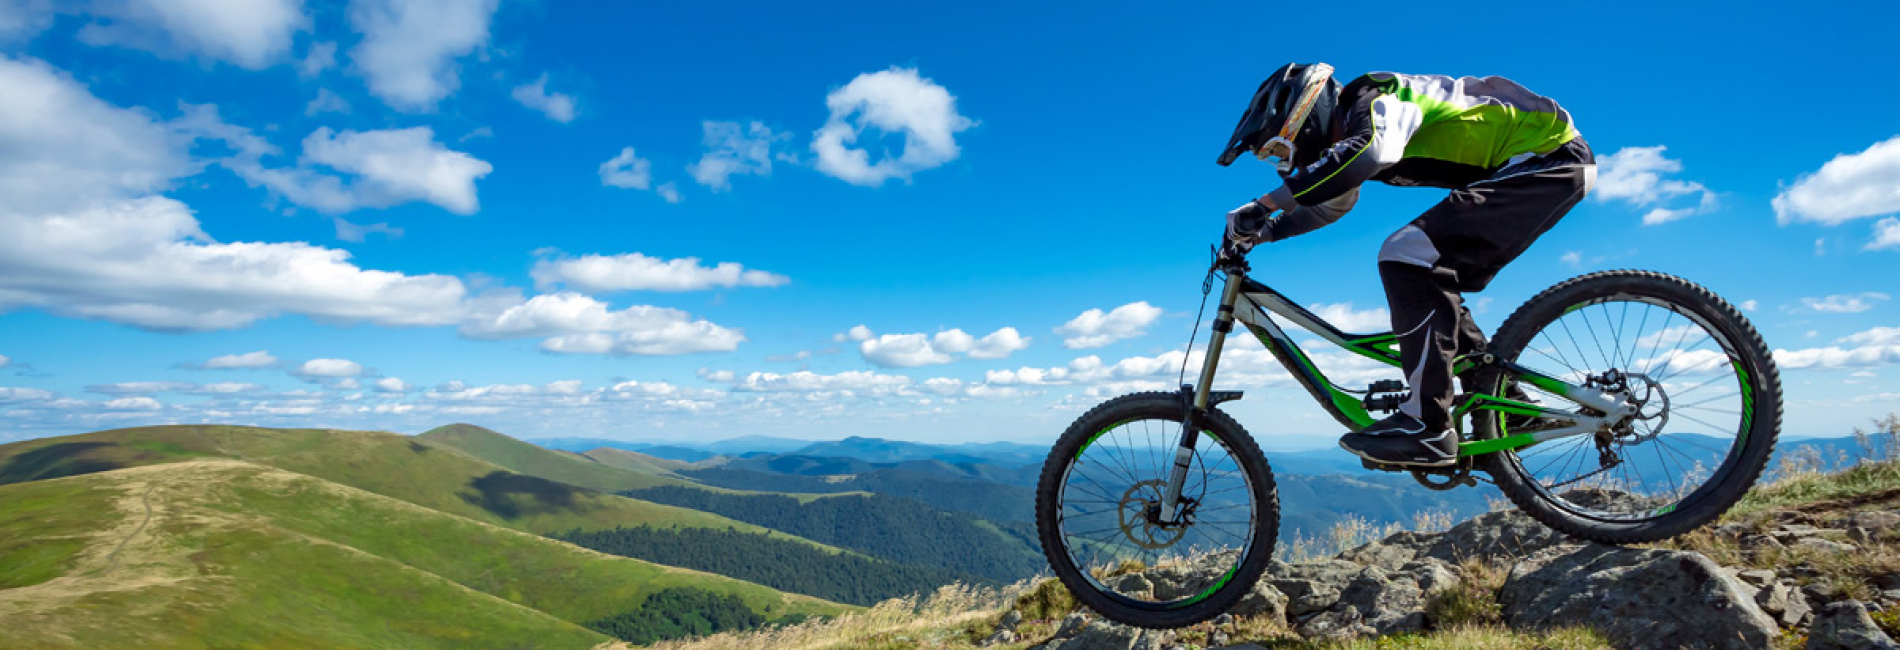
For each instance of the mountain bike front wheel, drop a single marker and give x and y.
(1098, 512)
(1708, 396)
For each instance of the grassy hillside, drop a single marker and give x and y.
(221, 553)
(636, 461)
(418, 471)
(524, 458)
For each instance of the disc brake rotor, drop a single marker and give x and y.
(1652, 408)
(1137, 512)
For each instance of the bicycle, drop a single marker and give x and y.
(1161, 482)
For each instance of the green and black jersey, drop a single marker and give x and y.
(1430, 130)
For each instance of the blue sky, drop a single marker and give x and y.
(395, 214)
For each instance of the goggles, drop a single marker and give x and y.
(1281, 145)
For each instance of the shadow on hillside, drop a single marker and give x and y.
(55, 461)
(512, 496)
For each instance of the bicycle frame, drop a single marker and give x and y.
(1253, 304)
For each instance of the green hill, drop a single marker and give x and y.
(420, 471)
(223, 553)
(636, 461)
(566, 467)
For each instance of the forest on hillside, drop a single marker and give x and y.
(771, 561)
(881, 526)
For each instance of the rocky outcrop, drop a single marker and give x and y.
(1845, 625)
(1636, 597)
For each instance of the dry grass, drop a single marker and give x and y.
(1473, 602)
(945, 619)
(1462, 638)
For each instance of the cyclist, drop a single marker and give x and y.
(1514, 164)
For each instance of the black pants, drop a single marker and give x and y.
(1458, 246)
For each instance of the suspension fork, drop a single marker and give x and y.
(1190, 424)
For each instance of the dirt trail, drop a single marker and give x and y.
(112, 559)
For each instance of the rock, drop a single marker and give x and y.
(999, 637)
(1760, 542)
(1262, 601)
(1243, 646)
(1887, 581)
(1845, 625)
(1873, 520)
(1731, 529)
(1071, 625)
(1823, 545)
(1506, 533)
(1757, 577)
(1133, 583)
(1388, 605)
(1336, 623)
(1635, 597)
(1784, 604)
(1796, 530)
(1010, 620)
(1104, 635)
(1821, 592)
(1315, 586)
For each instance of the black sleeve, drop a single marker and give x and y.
(1346, 164)
(1308, 218)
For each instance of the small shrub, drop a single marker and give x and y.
(1047, 600)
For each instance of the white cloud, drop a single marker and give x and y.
(326, 102)
(1843, 303)
(557, 106)
(1750, 305)
(1835, 357)
(733, 149)
(1635, 175)
(84, 234)
(1886, 235)
(321, 56)
(669, 191)
(1350, 320)
(394, 166)
(1572, 259)
(1851, 186)
(22, 20)
(856, 333)
(999, 344)
(902, 351)
(350, 231)
(912, 350)
(576, 324)
(59, 144)
(328, 369)
(891, 101)
(1095, 328)
(806, 381)
(1879, 397)
(1875, 336)
(258, 359)
(15, 395)
(251, 34)
(374, 169)
(4, 361)
(134, 404)
(409, 48)
(626, 171)
(636, 272)
(188, 388)
(392, 385)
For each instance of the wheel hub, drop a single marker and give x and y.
(1140, 512)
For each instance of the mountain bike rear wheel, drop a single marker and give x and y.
(1098, 514)
(1710, 410)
